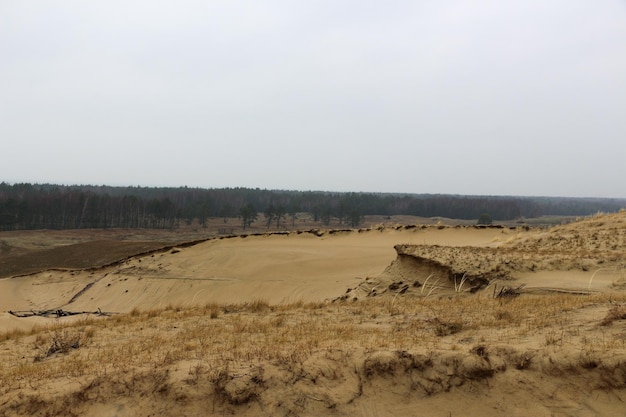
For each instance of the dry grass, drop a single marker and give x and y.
(616, 312)
(258, 332)
(227, 348)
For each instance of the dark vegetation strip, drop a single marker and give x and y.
(49, 206)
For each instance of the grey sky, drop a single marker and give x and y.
(468, 97)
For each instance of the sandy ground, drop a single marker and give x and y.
(276, 268)
(433, 372)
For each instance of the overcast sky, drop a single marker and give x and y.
(464, 97)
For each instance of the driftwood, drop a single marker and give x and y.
(55, 313)
(507, 291)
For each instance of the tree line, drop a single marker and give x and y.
(49, 206)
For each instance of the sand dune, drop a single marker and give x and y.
(386, 321)
(277, 268)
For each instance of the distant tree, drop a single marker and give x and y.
(248, 215)
(316, 210)
(485, 218)
(355, 217)
(227, 211)
(351, 207)
(203, 213)
(279, 213)
(269, 213)
(326, 215)
(293, 213)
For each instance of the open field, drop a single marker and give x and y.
(427, 320)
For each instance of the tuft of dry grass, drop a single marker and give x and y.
(616, 312)
(62, 342)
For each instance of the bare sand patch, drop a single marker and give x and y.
(278, 268)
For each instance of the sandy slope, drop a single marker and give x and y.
(317, 266)
(276, 268)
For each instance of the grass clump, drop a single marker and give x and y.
(448, 328)
(617, 312)
(62, 342)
